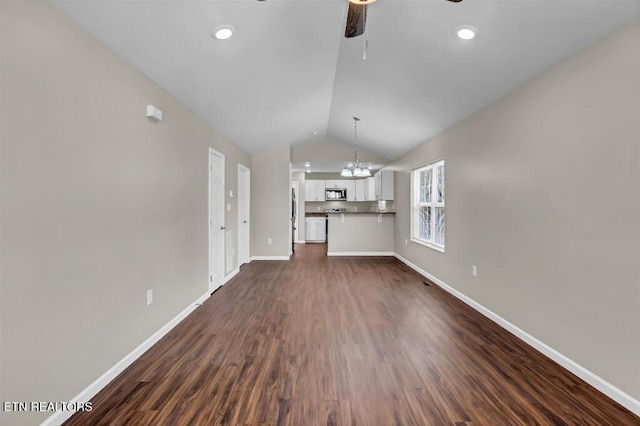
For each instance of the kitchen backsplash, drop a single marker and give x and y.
(361, 206)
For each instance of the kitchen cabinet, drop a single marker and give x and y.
(310, 190)
(384, 185)
(378, 187)
(320, 186)
(315, 229)
(314, 190)
(360, 192)
(350, 185)
(370, 189)
(321, 229)
(310, 231)
(340, 183)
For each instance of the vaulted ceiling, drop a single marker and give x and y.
(288, 71)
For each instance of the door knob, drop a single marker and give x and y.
(244, 221)
(222, 227)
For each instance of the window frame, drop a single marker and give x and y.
(416, 204)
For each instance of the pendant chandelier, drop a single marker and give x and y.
(355, 169)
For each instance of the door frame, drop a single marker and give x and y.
(244, 173)
(211, 285)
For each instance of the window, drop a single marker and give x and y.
(427, 213)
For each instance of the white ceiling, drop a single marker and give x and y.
(288, 70)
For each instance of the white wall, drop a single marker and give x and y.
(270, 204)
(542, 195)
(98, 205)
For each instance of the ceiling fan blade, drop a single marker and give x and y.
(356, 20)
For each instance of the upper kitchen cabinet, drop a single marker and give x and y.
(350, 186)
(310, 190)
(384, 185)
(360, 192)
(370, 189)
(320, 187)
(314, 190)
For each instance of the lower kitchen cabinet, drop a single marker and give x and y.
(315, 229)
(310, 229)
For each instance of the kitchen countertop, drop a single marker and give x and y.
(361, 212)
(322, 214)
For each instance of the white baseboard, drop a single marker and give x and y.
(594, 380)
(301, 242)
(90, 391)
(360, 253)
(270, 258)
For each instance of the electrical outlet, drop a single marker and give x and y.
(149, 297)
(269, 241)
(474, 270)
(406, 241)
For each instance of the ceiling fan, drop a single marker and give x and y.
(357, 17)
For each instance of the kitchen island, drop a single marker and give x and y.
(360, 233)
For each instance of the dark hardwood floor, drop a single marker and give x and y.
(343, 341)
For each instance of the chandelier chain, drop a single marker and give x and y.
(355, 138)
(355, 169)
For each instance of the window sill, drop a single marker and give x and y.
(431, 246)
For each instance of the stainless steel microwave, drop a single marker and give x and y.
(335, 194)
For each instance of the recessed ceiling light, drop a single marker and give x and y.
(307, 164)
(222, 32)
(466, 32)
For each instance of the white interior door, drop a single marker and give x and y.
(216, 219)
(244, 226)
